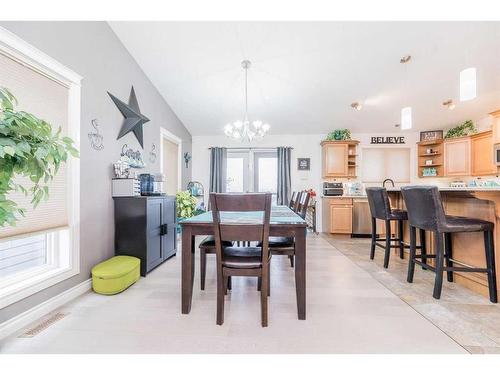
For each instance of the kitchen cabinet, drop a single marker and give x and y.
(337, 215)
(482, 162)
(496, 126)
(457, 156)
(339, 158)
(145, 227)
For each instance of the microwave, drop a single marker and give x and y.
(496, 154)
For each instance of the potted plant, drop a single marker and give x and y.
(30, 148)
(339, 135)
(186, 205)
(462, 130)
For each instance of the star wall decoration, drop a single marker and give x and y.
(133, 118)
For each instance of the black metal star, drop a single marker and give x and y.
(134, 119)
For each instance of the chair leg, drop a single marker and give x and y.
(374, 238)
(438, 283)
(226, 284)
(203, 268)
(263, 297)
(291, 257)
(448, 255)
(220, 296)
(387, 243)
(411, 261)
(401, 245)
(490, 264)
(229, 283)
(259, 283)
(423, 246)
(269, 279)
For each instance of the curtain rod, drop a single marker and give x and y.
(249, 148)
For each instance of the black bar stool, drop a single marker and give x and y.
(425, 211)
(380, 208)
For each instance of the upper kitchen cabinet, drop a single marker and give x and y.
(457, 155)
(496, 126)
(482, 154)
(339, 158)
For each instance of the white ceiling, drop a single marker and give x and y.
(304, 75)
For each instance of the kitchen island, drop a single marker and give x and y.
(475, 202)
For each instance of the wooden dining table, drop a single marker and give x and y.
(284, 223)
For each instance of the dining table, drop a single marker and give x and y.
(283, 223)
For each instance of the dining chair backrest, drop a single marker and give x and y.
(424, 206)
(378, 200)
(232, 224)
(295, 207)
(293, 199)
(303, 204)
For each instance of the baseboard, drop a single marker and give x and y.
(22, 320)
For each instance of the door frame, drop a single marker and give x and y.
(165, 134)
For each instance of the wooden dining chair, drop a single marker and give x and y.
(241, 261)
(293, 199)
(286, 245)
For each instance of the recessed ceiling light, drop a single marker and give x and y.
(449, 104)
(357, 106)
(405, 59)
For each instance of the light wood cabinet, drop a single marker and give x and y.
(340, 219)
(339, 158)
(457, 156)
(496, 126)
(482, 154)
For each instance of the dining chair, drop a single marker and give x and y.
(293, 199)
(286, 245)
(207, 246)
(232, 222)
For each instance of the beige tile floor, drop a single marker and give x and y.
(348, 311)
(470, 319)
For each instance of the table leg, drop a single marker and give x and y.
(187, 269)
(300, 271)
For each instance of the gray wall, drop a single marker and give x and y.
(92, 50)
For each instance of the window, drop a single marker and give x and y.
(43, 248)
(252, 171)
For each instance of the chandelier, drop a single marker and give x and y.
(246, 130)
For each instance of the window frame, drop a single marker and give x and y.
(33, 282)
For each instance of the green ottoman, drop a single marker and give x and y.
(115, 274)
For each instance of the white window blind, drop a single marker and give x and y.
(47, 99)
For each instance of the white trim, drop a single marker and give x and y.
(20, 321)
(30, 56)
(164, 133)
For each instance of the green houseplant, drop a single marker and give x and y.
(462, 130)
(28, 147)
(339, 135)
(186, 204)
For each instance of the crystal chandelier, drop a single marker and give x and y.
(246, 130)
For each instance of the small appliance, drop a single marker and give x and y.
(126, 187)
(332, 189)
(496, 154)
(151, 184)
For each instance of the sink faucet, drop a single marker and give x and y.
(387, 180)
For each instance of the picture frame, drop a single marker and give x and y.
(431, 135)
(304, 164)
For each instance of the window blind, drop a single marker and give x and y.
(47, 99)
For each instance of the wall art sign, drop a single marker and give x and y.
(96, 139)
(388, 140)
(431, 135)
(152, 154)
(133, 118)
(133, 158)
(304, 164)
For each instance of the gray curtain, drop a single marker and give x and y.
(284, 171)
(218, 158)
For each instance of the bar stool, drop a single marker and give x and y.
(425, 211)
(380, 208)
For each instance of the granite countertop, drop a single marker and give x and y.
(449, 188)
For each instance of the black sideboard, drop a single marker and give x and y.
(145, 227)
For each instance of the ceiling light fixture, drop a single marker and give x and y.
(246, 130)
(449, 104)
(357, 106)
(405, 59)
(468, 84)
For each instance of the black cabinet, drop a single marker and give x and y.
(145, 227)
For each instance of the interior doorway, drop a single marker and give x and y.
(171, 166)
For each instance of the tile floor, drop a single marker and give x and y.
(348, 311)
(468, 318)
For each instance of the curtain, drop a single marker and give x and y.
(218, 159)
(284, 172)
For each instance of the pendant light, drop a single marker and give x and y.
(406, 113)
(468, 84)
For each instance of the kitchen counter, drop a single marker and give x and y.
(449, 188)
(343, 196)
